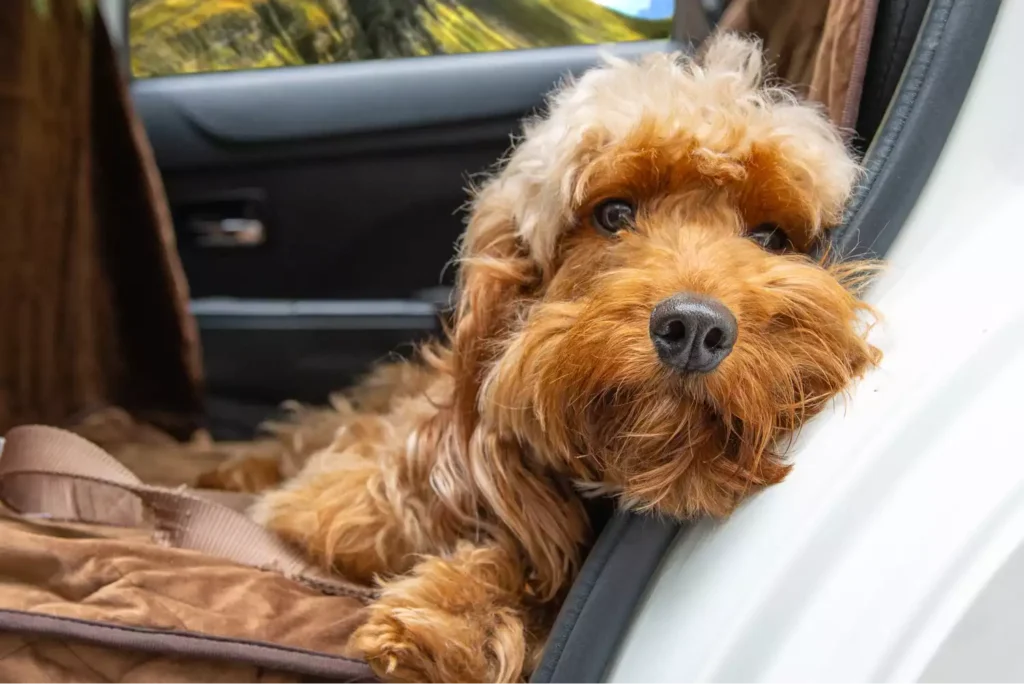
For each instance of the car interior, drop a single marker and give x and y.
(316, 213)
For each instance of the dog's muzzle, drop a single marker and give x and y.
(692, 333)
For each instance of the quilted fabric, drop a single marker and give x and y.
(126, 600)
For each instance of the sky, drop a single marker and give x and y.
(633, 7)
(651, 9)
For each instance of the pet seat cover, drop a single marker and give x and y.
(104, 578)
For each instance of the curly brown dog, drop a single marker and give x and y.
(638, 317)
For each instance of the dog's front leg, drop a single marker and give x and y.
(458, 618)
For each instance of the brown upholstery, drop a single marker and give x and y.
(819, 46)
(93, 301)
(113, 587)
(126, 580)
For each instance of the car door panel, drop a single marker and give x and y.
(355, 173)
(294, 104)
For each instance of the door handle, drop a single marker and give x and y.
(229, 220)
(228, 232)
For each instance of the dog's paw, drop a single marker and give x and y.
(392, 651)
(427, 644)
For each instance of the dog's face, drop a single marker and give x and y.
(637, 306)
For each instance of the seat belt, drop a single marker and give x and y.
(49, 473)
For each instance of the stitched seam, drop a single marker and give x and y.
(185, 634)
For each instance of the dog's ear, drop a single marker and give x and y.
(500, 275)
(496, 273)
(511, 241)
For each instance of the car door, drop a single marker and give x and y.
(315, 155)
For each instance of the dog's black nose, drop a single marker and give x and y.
(692, 333)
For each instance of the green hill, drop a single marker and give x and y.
(188, 36)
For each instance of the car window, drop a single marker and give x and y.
(193, 36)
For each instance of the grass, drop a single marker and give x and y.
(189, 36)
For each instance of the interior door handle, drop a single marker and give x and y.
(226, 220)
(228, 232)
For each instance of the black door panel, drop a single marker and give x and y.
(364, 226)
(265, 351)
(362, 166)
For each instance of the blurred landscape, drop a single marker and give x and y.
(189, 36)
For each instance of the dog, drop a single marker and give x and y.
(638, 316)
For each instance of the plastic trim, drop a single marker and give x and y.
(250, 314)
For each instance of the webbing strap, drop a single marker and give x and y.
(46, 472)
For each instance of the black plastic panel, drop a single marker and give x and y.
(366, 225)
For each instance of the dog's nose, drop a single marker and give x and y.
(692, 333)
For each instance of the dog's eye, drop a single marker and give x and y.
(614, 215)
(770, 237)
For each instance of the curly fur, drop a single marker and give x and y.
(455, 482)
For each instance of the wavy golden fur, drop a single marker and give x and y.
(456, 481)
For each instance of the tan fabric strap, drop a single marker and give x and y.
(46, 472)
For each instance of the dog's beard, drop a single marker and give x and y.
(581, 385)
